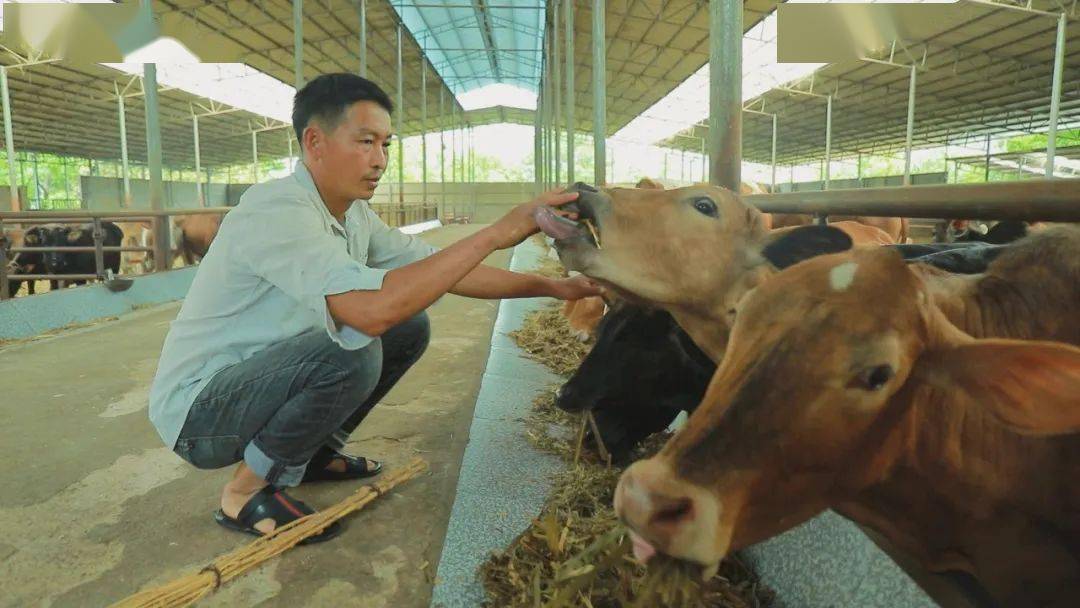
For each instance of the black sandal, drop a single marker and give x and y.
(356, 467)
(273, 503)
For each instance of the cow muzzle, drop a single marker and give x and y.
(586, 228)
(667, 515)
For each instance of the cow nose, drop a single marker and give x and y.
(568, 399)
(654, 503)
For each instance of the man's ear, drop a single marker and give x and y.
(1031, 387)
(804, 242)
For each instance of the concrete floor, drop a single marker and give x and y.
(95, 508)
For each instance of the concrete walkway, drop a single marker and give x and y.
(95, 508)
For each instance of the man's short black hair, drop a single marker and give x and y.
(327, 97)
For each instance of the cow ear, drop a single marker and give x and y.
(74, 236)
(805, 242)
(1031, 387)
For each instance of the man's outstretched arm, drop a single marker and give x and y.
(492, 283)
(407, 290)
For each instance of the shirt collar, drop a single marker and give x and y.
(303, 177)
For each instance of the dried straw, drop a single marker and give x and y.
(576, 553)
(547, 337)
(189, 589)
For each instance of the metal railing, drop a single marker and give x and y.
(394, 214)
(1048, 200)
(161, 250)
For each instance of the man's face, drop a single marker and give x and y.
(351, 158)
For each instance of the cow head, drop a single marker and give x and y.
(641, 360)
(57, 262)
(693, 251)
(812, 399)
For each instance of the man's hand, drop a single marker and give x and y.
(575, 288)
(519, 223)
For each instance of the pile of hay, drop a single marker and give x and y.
(576, 553)
(547, 337)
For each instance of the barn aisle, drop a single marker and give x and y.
(96, 508)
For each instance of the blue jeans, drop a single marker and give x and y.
(276, 409)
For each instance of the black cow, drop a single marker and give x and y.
(26, 262)
(642, 371)
(81, 262)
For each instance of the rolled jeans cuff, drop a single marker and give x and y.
(273, 471)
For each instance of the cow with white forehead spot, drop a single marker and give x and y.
(844, 386)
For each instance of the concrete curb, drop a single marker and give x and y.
(504, 480)
(31, 315)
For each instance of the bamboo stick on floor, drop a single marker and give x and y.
(189, 589)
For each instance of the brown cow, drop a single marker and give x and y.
(845, 387)
(197, 232)
(584, 315)
(898, 228)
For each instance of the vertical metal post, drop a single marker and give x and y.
(9, 141)
(157, 186)
(198, 162)
(453, 144)
(910, 127)
(442, 148)
(858, 169)
(423, 128)
(556, 86)
(599, 51)
(292, 161)
(828, 142)
(537, 161)
(986, 175)
(1055, 96)
(682, 166)
(568, 10)
(772, 180)
(126, 202)
(99, 254)
(725, 93)
(363, 38)
(400, 121)
(255, 157)
(298, 43)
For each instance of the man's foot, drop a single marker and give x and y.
(331, 465)
(267, 509)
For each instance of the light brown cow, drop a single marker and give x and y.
(898, 228)
(584, 315)
(197, 232)
(844, 386)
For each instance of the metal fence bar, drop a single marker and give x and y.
(123, 215)
(79, 249)
(1031, 200)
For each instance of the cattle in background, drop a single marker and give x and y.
(195, 233)
(136, 234)
(80, 262)
(1003, 232)
(26, 262)
(844, 386)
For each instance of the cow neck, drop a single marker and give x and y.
(709, 322)
(933, 464)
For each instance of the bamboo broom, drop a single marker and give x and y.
(189, 589)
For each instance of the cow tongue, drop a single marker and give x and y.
(643, 551)
(554, 225)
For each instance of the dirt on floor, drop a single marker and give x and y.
(96, 508)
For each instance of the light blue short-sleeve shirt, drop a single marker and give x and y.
(265, 279)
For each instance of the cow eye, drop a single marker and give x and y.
(705, 206)
(873, 378)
